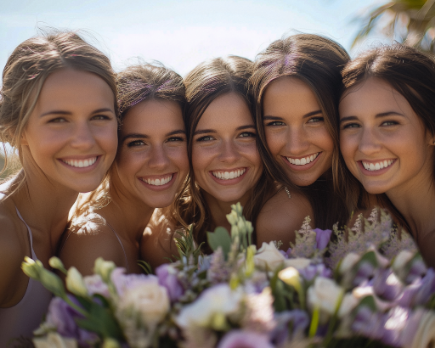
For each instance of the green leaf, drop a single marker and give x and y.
(368, 301)
(220, 238)
(146, 267)
(101, 321)
(279, 293)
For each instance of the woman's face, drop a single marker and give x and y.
(383, 141)
(296, 132)
(225, 158)
(152, 160)
(71, 135)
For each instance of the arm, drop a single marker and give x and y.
(281, 217)
(81, 248)
(13, 282)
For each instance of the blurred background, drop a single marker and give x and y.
(183, 33)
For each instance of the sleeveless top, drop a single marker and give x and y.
(23, 318)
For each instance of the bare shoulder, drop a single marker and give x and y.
(83, 244)
(281, 216)
(157, 244)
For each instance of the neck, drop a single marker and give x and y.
(44, 205)
(126, 214)
(219, 209)
(415, 201)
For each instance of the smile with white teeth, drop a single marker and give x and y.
(228, 175)
(158, 182)
(80, 163)
(302, 161)
(376, 166)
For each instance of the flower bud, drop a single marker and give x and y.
(104, 268)
(218, 321)
(30, 268)
(232, 217)
(75, 283)
(55, 263)
(52, 282)
(111, 343)
(290, 276)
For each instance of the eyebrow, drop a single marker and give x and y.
(144, 136)
(312, 113)
(382, 114)
(62, 112)
(204, 131)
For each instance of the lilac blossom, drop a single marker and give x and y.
(322, 238)
(245, 339)
(297, 319)
(167, 276)
(61, 316)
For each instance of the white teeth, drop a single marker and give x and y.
(377, 166)
(229, 175)
(302, 161)
(80, 163)
(158, 182)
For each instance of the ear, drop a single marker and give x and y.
(23, 139)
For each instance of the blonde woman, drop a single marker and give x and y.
(58, 110)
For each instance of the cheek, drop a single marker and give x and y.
(178, 157)
(107, 137)
(129, 163)
(324, 140)
(348, 146)
(275, 141)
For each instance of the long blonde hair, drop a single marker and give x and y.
(26, 71)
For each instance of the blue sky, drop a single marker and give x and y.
(182, 33)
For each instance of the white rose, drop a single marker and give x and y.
(298, 263)
(425, 335)
(268, 257)
(54, 340)
(214, 302)
(325, 294)
(348, 262)
(148, 298)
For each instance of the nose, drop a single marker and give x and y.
(83, 137)
(158, 158)
(368, 143)
(229, 152)
(297, 142)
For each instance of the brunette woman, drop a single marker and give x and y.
(387, 134)
(226, 167)
(296, 82)
(58, 110)
(150, 167)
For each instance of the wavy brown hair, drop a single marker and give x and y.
(317, 61)
(26, 71)
(204, 84)
(412, 74)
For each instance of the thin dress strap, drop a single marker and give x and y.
(119, 240)
(30, 235)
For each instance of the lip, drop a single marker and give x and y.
(80, 169)
(229, 181)
(304, 167)
(161, 187)
(374, 172)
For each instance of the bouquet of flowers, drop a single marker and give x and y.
(360, 287)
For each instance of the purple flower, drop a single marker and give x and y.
(369, 324)
(287, 253)
(401, 326)
(322, 238)
(312, 271)
(124, 281)
(244, 339)
(363, 273)
(386, 285)
(95, 285)
(61, 316)
(419, 292)
(167, 276)
(299, 321)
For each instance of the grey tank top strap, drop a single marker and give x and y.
(119, 240)
(23, 318)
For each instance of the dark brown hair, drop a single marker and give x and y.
(317, 61)
(204, 84)
(27, 69)
(412, 74)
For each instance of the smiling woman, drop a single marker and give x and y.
(387, 134)
(58, 110)
(149, 169)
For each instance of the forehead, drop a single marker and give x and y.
(227, 110)
(373, 96)
(289, 94)
(69, 89)
(154, 115)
